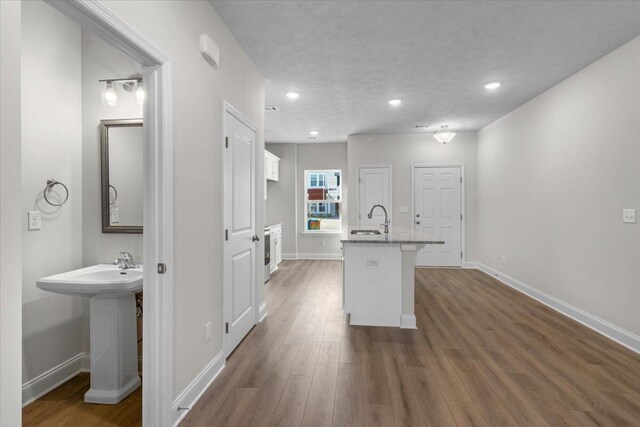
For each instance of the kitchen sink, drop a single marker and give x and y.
(365, 232)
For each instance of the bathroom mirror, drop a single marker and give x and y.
(122, 175)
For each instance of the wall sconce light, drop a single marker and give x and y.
(109, 95)
(133, 86)
(139, 93)
(443, 136)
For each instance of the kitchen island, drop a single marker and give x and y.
(378, 276)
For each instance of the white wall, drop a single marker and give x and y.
(101, 61)
(282, 201)
(554, 176)
(403, 150)
(198, 92)
(10, 216)
(51, 148)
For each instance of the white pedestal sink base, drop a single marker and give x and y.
(114, 352)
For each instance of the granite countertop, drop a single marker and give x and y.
(395, 236)
(272, 225)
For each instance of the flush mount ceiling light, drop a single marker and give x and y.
(395, 102)
(292, 95)
(313, 133)
(492, 85)
(443, 136)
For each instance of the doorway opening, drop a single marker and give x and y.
(130, 80)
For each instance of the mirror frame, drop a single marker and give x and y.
(105, 125)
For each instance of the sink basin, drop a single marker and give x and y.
(94, 280)
(112, 328)
(365, 232)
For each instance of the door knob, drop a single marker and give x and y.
(417, 215)
(255, 238)
(418, 222)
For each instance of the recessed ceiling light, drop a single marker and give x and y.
(292, 95)
(313, 133)
(492, 85)
(395, 102)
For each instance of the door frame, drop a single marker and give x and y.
(228, 108)
(158, 288)
(463, 246)
(390, 208)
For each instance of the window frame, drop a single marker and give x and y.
(320, 182)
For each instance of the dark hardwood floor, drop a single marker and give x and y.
(483, 354)
(65, 406)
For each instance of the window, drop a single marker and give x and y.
(323, 201)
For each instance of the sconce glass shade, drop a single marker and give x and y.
(444, 135)
(109, 95)
(139, 93)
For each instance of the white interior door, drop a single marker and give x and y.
(438, 212)
(240, 245)
(374, 183)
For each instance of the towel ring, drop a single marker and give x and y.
(115, 195)
(50, 184)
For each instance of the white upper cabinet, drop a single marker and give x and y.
(271, 166)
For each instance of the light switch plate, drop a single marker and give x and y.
(372, 262)
(35, 220)
(115, 215)
(208, 331)
(629, 216)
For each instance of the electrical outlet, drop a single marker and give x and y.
(35, 220)
(372, 263)
(323, 243)
(629, 216)
(504, 259)
(207, 331)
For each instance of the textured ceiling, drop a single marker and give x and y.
(347, 58)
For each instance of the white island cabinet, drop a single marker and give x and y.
(378, 282)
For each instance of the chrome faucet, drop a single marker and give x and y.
(386, 217)
(125, 262)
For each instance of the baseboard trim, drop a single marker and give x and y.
(408, 321)
(194, 391)
(42, 384)
(472, 265)
(262, 312)
(613, 332)
(312, 256)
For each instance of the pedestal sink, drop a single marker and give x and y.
(114, 352)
